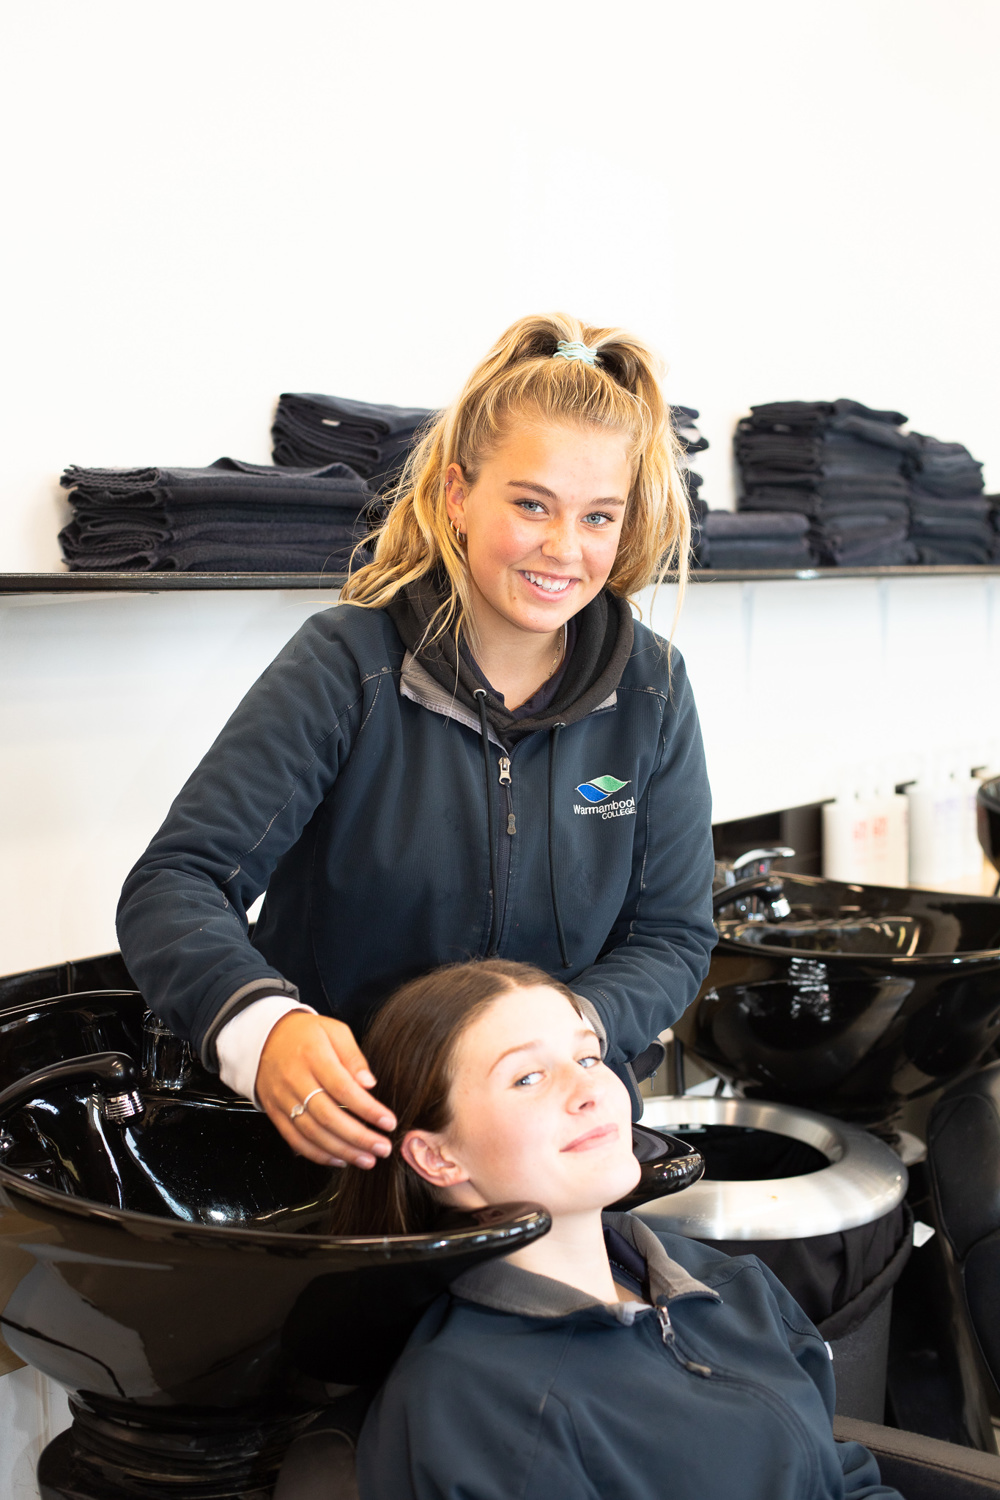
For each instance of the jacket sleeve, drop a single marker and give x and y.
(859, 1468)
(658, 952)
(182, 921)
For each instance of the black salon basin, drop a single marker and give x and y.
(871, 937)
(863, 997)
(171, 1269)
(160, 1257)
(988, 822)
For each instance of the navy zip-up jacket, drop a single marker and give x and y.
(517, 1387)
(350, 785)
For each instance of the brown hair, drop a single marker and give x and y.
(520, 380)
(410, 1047)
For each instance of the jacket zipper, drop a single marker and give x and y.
(505, 782)
(504, 851)
(670, 1339)
(786, 1412)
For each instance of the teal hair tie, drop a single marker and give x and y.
(565, 350)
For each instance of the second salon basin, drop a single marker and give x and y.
(862, 997)
(890, 925)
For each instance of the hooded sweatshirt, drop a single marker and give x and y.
(712, 1384)
(604, 636)
(398, 822)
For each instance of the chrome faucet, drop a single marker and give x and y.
(113, 1074)
(748, 884)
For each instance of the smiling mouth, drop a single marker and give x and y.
(549, 585)
(599, 1136)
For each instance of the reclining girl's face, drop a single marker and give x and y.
(535, 1114)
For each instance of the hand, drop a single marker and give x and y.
(305, 1052)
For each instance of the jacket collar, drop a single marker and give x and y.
(604, 641)
(417, 684)
(511, 1289)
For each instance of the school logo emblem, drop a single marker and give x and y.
(601, 788)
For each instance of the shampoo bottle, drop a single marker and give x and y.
(866, 832)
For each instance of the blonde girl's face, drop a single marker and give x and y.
(542, 523)
(535, 1114)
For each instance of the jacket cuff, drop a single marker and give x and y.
(241, 1041)
(256, 989)
(591, 1014)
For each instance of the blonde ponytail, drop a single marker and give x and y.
(518, 379)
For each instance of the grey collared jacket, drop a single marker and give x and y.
(517, 1387)
(352, 788)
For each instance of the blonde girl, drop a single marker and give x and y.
(479, 753)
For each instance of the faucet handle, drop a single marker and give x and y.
(757, 862)
(166, 1059)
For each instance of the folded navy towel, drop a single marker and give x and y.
(944, 469)
(812, 414)
(753, 539)
(222, 482)
(886, 554)
(739, 553)
(962, 553)
(751, 524)
(866, 549)
(222, 559)
(888, 492)
(370, 421)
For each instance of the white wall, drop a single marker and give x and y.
(109, 701)
(210, 202)
(802, 685)
(33, 1409)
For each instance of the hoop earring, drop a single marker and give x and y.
(460, 535)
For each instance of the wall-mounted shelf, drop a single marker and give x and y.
(155, 583)
(146, 583)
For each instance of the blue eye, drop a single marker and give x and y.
(589, 1062)
(599, 519)
(538, 506)
(528, 1078)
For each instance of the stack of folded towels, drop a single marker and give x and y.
(230, 517)
(690, 440)
(373, 439)
(950, 515)
(839, 463)
(753, 539)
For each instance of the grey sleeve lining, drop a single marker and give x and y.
(256, 989)
(590, 1013)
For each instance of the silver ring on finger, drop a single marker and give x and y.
(300, 1109)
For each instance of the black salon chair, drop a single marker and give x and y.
(920, 1468)
(963, 1157)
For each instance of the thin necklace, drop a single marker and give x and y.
(560, 652)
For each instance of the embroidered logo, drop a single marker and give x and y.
(601, 788)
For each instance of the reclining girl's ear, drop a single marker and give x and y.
(425, 1152)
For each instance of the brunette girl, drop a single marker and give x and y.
(603, 1361)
